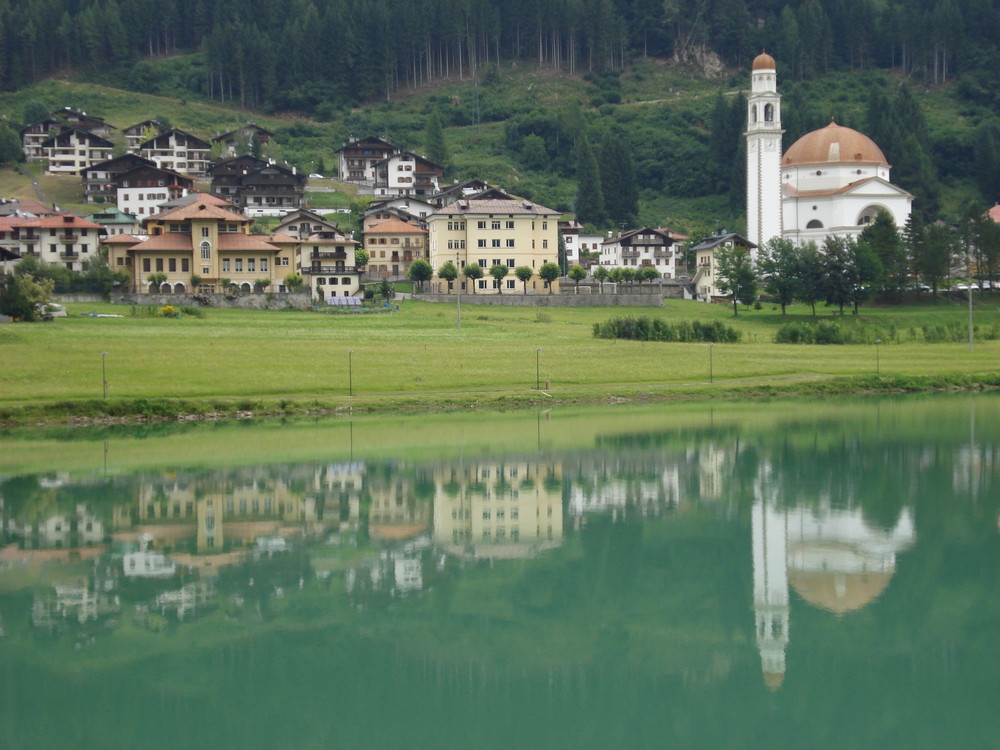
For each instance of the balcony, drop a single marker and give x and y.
(328, 255)
(69, 254)
(317, 270)
(663, 253)
(630, 253)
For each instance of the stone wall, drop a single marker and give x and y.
(550, 300)
(254, 301)
(77, 297)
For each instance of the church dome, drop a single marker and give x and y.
(763, 61)
(834, 144)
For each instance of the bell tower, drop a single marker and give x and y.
(763, 152)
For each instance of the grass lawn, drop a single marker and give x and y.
(235, 354)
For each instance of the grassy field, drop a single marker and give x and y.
(418, 353)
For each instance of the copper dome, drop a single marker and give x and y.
(834, 144)
(764, 61)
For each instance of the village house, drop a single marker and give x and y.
(578, 244)
(143, 190)
(356, 160)
(326, 263)
(136, 135)
(34, 134)
(177, 150)
(392, 247)
(99, 180)
(66, 239)
(116, 222)
(75, 118)
(250, 139)
(301, 223)
(406, 173)
(644, 247)
(706, 263)
(408, 209)
(73, 150)
(493, 228)
(257, 186)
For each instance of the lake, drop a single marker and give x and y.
(798, 573)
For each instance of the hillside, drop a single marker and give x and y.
(681, 128)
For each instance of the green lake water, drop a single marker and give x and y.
(797, 574)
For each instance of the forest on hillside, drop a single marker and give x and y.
(305, 54)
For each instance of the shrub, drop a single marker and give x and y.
(655, 329)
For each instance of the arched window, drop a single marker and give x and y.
(867, 216)
(814, 224)
(179, 289)
(768, 113)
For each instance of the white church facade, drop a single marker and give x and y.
(830, 182)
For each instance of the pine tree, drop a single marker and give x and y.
(589, 195)
(437, 150)
(618, 180)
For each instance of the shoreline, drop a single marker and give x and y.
(83, 413)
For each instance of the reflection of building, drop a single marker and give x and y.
(620, 489)
(60, 531)
(395, 512)
(501, 509)
(82, 603)
(831, 557)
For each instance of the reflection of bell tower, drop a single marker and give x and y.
(770, 586)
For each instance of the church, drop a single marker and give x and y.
(832, 181)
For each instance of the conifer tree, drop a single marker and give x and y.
(437, 150)
(589, 195)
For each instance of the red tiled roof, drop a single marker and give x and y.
(395, 226)
(200, 209)
(122, 239)
(56, 222)
(240, 241)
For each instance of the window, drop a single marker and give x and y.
(511, 284)
(545, 244)
(145, 265)
(263, 264)
(251, 265)
(239, 264)
(496, 262)
(510, 225)
(159, 264)
(481, 225)
(482, 283)
(284, 261)
(545, 225)
(482, 262)
(481, 243)
(206, 250)
(495, 243)
(510, 262)
(495, 224)
(225, 265)
(204, 231)
(510, 243)
(172, 265)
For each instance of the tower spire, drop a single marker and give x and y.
(763, 136)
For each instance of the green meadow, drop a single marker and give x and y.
(419, 354)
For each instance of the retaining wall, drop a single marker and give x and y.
(550, 300)
(254, 301)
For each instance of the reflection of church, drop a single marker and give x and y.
(831, 557)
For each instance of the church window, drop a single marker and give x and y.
(768, 113)
(814, 224)
(753, 113)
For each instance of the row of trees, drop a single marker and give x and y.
(846, 271)
(421, 272)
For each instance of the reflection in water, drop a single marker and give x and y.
(567, 575)
(832, 558)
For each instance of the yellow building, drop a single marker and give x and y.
(493, 228)
(392, 246)
(205, 238)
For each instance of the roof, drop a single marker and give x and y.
(57, 222)
(200, 209)
(240, 241)
(194, 141)
(233, 133)
(93, 137)
(370, 140)
(185, 200)
(123, 239)
(718, 239)
(834, 144)
(282, 238)
(395, 226)
(792, 192)
(112, 215)
(131, 160)
(641, 230)
(994, 213)
(490, 202)
(763, 61)
(27, 206)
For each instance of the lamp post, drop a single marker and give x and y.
(711, 348)
(538, 352)
(458, 289)
(104, 373)
(878, 368)
(350, 372)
